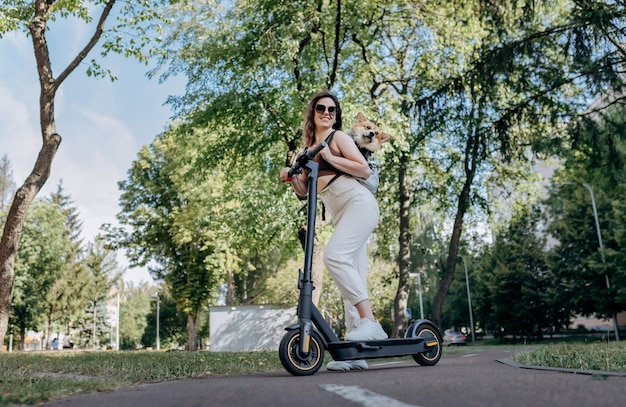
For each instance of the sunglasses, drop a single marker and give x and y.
(321, 109)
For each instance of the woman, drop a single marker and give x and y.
(354, 214)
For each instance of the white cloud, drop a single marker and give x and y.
(18, 134)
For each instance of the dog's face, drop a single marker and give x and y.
(367, 134)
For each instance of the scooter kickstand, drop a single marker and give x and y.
(364, 346)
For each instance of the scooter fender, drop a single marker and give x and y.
(292, 327)
(414, 327)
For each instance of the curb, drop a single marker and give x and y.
(511, 363)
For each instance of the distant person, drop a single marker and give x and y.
(55, 344)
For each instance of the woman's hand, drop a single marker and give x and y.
(284, 175)
(299, 186)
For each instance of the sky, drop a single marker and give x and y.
(103, 124)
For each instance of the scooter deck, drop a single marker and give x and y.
(351, 350)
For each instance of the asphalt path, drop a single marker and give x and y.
(484, 378)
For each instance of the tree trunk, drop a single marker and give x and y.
(48, 334)
(12, 232)
(93, 333)
(474, 149)
(400, 302)
(230, 287)
(453, 250)
(22, 342)
(192, 332)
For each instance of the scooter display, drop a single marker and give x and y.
(303, 347)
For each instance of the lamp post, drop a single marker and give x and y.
(469, 299)
(158, 339)
(117, 315)
(93, 332)
(117, 325)
(419, 291)
(606, 276)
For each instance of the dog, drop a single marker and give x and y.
(367, 136)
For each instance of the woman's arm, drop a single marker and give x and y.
(349, 158)
(299, 182)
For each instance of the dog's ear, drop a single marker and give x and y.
(384, 137)
(360, 117)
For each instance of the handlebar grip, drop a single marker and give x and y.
(315, 150)
(304, 158)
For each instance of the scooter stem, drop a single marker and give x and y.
(305, 302)
(311, 216)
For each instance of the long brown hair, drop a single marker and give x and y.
(308, 127)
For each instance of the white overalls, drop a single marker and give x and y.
(354, 213)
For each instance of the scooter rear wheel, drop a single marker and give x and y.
(432, 339)
(292, 359)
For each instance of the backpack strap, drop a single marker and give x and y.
(329, 138)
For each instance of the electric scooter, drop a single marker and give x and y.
(303, 347)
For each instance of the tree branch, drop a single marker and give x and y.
(92, 43)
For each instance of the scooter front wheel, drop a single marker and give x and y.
(292, 359)
(432, 342)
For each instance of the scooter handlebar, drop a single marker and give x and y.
(305, 157)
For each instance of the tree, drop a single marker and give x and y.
(173, 332)
(501, 112)
(405, 54)
(33, 17)
(104, 271)
(595, 157)
(175, 223)
(254, 83)
(134, 310)
(520, 287)
(280, 56)
(470, 106)
(44, 248)
(66, 297)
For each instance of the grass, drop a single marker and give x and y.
(32, 378)
(601, 356)
(581, 352)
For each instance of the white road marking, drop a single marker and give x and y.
(387, 363)
(469, 355)
(363, 396)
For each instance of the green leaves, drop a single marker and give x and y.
(14, 15)
(468, 89)
(596, 156)
(519, 297)
(44, 249)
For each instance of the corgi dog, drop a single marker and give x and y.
(367, 135)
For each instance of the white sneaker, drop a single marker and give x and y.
(366, 330)
(344, 365)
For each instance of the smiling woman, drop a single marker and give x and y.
(353, 210)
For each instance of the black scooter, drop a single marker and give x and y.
(302, 348)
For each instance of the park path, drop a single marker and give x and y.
(484, 378)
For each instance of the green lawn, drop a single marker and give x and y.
(29, 377)
(582, 352)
